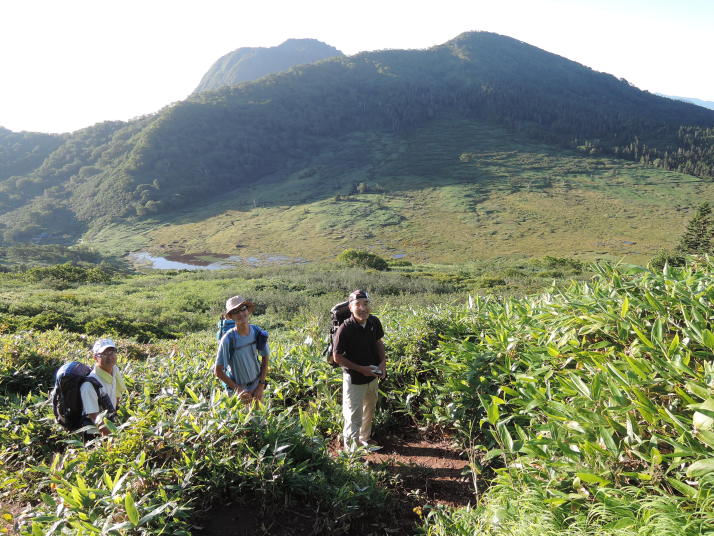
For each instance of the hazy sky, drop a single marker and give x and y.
(69, 64)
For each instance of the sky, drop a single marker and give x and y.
(69, 64)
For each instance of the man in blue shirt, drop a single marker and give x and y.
(237, 357)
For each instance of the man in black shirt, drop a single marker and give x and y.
(359, 349)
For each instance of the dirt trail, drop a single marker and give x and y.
(429, 471)
(420, 472)
(423, 472)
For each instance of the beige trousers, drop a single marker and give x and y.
(358, 403)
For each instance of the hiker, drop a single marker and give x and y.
(359, 349)
(237, 357)
(112, 385)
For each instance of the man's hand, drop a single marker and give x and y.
(258, 393)
(368, 371)
(245, 396)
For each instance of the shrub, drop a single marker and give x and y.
(490, 282)
(362, 259)
(62, 275)
(671, 258)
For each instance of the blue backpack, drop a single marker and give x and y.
(224, 325)
(260, 335)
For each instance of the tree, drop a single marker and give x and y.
(697, 238)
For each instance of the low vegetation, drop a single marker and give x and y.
(585, 408)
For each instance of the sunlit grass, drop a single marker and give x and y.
(478, 193)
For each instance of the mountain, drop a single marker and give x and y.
(246, 64)
(698, 102)
(258, 134)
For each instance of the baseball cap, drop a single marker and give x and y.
(358, 295)
(103, 344)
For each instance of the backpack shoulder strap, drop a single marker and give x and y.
(234, 341)
(102, 398)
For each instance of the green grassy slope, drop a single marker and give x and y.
(449, 192)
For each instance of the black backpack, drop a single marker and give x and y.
(67, 400)
(338, 314)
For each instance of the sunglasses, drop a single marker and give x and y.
(239, 309)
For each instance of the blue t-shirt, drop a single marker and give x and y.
(238, 355)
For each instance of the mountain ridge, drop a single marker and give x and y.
(235, 136)
(692, 100)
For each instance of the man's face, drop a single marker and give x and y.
(240, 315)
(106, 359)
(360, 309)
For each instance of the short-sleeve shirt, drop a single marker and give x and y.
(238, 355)
(359, 345)
(90, 401)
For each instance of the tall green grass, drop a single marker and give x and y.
(596, 404)
(586, 409)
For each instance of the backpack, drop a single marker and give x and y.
(67, 400)
(260, 338)
(224, 325)
(338, 314)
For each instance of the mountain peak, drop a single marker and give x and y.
(250, 63)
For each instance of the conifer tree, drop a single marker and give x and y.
(697, 238)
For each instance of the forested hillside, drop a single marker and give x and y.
(22, 152)
(217, 141)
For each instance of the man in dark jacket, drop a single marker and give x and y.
(359, 349)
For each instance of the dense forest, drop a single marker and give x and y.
(22, 152)
(218, 140)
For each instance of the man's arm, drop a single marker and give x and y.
(341, 360)
(90, 402)
(100, 426)
(382, 353)
(258, 393)
(220, 372)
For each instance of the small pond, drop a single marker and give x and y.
(191, 262)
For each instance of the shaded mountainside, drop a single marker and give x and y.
(251, 63)
(23, 152)
(215, 142)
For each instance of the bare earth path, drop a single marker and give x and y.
(420, 472)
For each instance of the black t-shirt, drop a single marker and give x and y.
(359, 345)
